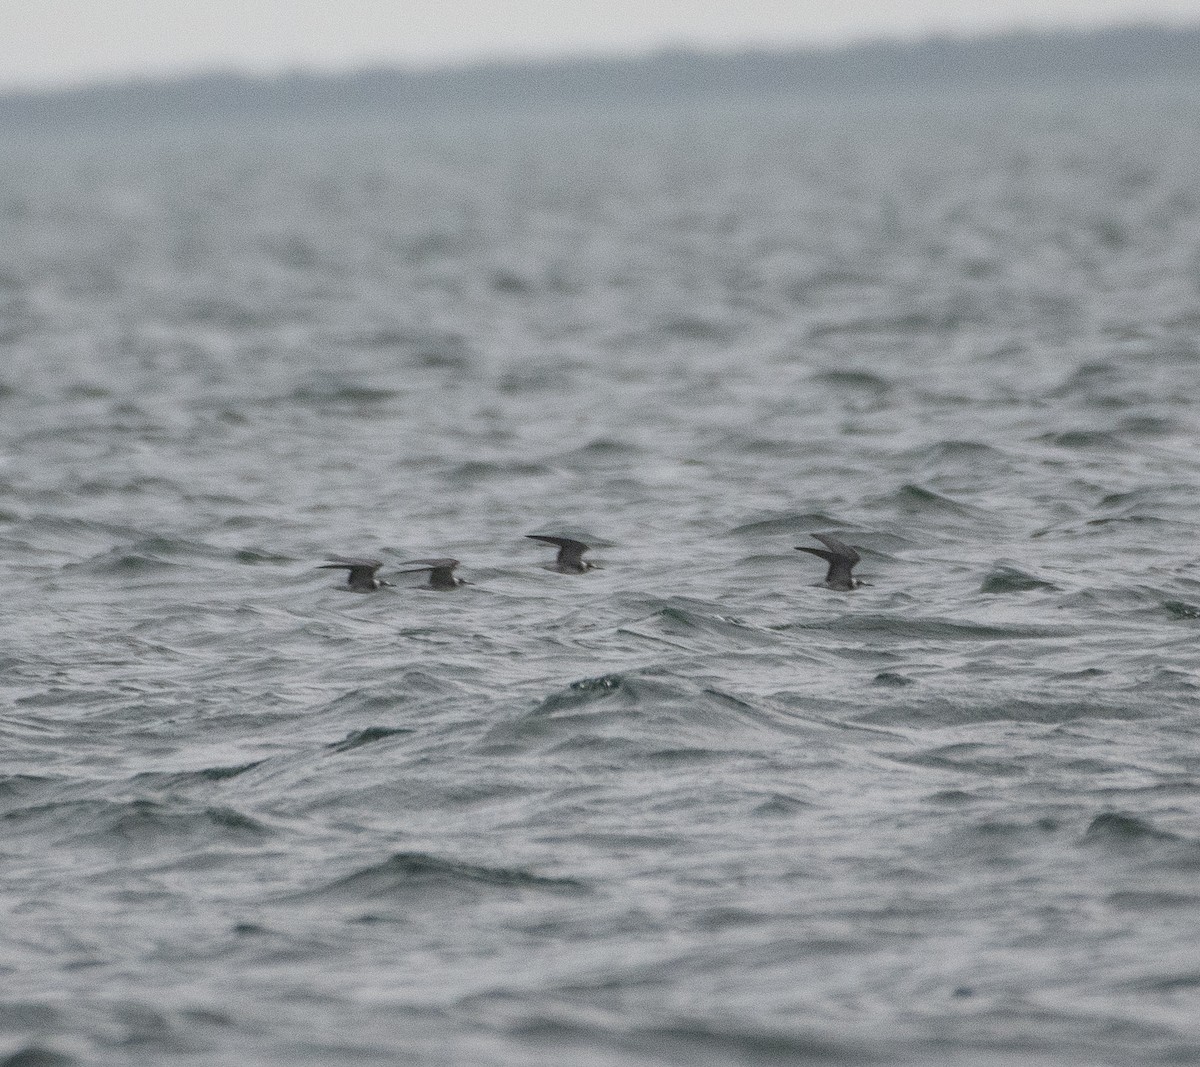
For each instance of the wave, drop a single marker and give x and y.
(910, 630)
(679, 1039)
(694, 625)
(138, 823)
(793, 523)
(481, 470)
(853, 381)
(406, 875)
(367, 736)
(1119, 828)
(335, 391)
(1082, 439)
(204, 776)
(913, 500)
(36, 1055)
(1009, 578)
(934, 708)
(153, 553)
(644, 713)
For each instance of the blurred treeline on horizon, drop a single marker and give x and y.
(1013, 58)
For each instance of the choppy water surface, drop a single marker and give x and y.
(691, 808)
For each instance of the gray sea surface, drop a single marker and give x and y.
(691, 807)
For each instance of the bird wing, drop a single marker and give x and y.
(369, 566)
(838, 549)
(570, 551)
(826, 556)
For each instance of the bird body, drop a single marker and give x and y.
(841, 558)
(361, 578)
(570, 553)
(441, 572)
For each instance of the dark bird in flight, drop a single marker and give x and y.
(570, 553)
(441, 576)
(362, 572)
(841, 558)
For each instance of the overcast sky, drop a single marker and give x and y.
(54, 42)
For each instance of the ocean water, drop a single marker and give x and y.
(691, 807)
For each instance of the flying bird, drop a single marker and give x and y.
(362, 572)
(570, 553)
(841, 558)
(441, 576)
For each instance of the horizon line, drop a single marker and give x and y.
(448, 65)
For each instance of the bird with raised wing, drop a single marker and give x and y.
(841, 558)
(570, 553)
(441, 572)
(361, 578)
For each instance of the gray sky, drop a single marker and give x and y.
(51, 42)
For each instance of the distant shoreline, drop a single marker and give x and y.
(1027, 57)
